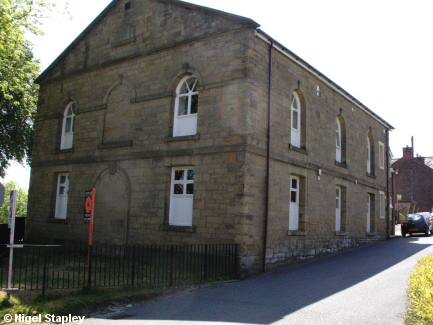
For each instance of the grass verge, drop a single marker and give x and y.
(420, 293)
(78, 302)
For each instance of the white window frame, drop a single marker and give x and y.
(294, 205)
(62, 196)
(382, 204)
(368, 212)
(295, 126)
(181, 204)
(185, 124)
(68, 127)
(368, 156)
(338, 195)
(381, 155)
(337, 140)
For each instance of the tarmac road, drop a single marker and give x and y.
(365, 285)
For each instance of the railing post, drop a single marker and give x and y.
(205, 262)
(133, 266)
(89, 266)
(171, 264)
(44, 271)
(236, 263)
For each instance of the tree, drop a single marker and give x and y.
(21, 209)
(18, 70)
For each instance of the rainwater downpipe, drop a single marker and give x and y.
(387, 203)
(268, 153)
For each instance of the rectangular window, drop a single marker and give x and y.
(62, 196)
(337, 208)
(382, 204)
(381, 155)
(181, 196)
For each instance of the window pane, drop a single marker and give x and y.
(178, 175)
(294, 183)
(194, 104)
(192, 83)
(295, 120)
(190, 175)
(337, 139)
(62, 179)
(184, 88)
(293, 196)
(183, 105)
(178, 189)
(61, 190)
(68, 125)
(190, 189)
(337, 204)
(294, 103)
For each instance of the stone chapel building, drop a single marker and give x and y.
(194, 126)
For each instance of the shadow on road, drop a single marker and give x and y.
(268, 298)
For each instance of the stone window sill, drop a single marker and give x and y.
(371, 234)
(340, 164)
(371, 175)
(61, 221)
(187, 229)
(300, 150)
(340, 233)
(59, 151)
(183, 138)
(296, 233)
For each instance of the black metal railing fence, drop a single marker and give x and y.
(42, 267)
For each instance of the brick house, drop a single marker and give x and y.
(413, 173)
(174, 114)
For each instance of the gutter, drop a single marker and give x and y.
(268, 157)
(292, 56)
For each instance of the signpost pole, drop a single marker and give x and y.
(89, 208)
(11, 225)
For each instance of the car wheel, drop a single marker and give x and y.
(403, 234)
(427, 233)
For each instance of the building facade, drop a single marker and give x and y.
(194, 126)
(413, 183)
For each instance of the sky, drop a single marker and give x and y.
(380, 51)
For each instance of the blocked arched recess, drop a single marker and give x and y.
(112, 206)
(118, 111)
(297, 88)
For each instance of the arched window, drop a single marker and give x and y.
(68, 127)
(186, 107)
(338, 140)
(295, 134)
(368, 156)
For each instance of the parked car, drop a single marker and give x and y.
(428, 215)
(416, 223)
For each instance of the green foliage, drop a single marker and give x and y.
(420, 302)
(76, 301)
(18, 70)
(21, 202)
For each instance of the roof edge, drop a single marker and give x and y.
(241, 19)
(265, 37)
(75, 41)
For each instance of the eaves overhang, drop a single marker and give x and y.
(295, 58)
